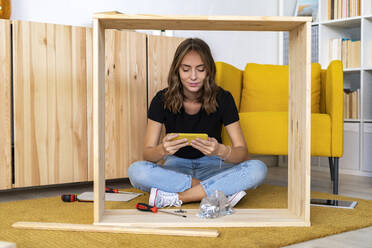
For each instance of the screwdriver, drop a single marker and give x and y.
(148, 208)
(111, 190)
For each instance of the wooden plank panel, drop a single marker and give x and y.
(50, 104)
(79, 103)
(116, 103)
(161, 51)
(89, 67)
(240, 218)
(53, 133)
(125, 113)
(26, 161)
(98, 120)
(299, 122)
(5, 107)
(137, 108)
(64, 102)
(177, 22)
(115, 229)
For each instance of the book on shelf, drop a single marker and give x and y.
(346, 50)
(339, 9)
(351, 104)
(355, 54)
(334, 49)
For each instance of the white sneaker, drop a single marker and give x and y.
(160, 199)
(235, 198)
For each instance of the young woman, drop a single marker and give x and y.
(193, 103)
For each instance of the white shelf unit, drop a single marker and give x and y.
(357, 159)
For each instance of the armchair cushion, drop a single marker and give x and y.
(267, 133)
(265, 88)
(230, 78)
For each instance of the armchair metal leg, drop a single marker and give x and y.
(335, 175)
(330, 159)
(333, 167)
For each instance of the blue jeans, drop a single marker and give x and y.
(176, 174)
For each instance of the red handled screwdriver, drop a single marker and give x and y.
(148, 208)
(111, 190)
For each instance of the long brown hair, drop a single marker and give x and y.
(174, 97)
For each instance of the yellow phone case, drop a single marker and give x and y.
(191, 136)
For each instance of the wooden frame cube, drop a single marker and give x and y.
(298, 211)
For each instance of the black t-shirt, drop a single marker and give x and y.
(200, 122)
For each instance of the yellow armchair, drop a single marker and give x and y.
(261, 95)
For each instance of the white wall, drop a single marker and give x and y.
(236, 48)
(289, 7)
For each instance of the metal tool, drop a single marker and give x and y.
(111, 190)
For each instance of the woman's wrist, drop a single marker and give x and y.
(162, 150)
(225, 151)
(227, 155)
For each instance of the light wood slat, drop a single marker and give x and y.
(50, 104)
(89, 65)
(161, 51)
(53, 133)
(299, 122)
(125, 113)
(240, 218)
(137, 96)
(98, 120)
(64, 109)
(176, 22)
(5, 107)
(26, 161)
(79, 103)
(115, 229)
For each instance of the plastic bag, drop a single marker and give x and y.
(214, 206)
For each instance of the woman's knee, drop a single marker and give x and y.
(258, 168)
(138, 171)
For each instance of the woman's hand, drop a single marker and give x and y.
(208, 147)
(171, 146)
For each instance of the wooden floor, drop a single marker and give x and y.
(354, 186)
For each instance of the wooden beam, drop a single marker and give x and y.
(115, 229)
(177, 22)
(299, 121)
(5, 110)
(298, 212)
(98, 118)
(240, 218)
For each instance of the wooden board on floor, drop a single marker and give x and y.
(116, 229)
(240, 218)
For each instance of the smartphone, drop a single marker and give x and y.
(191, 136)
(333, 203)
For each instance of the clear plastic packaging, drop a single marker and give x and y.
(214, 206)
